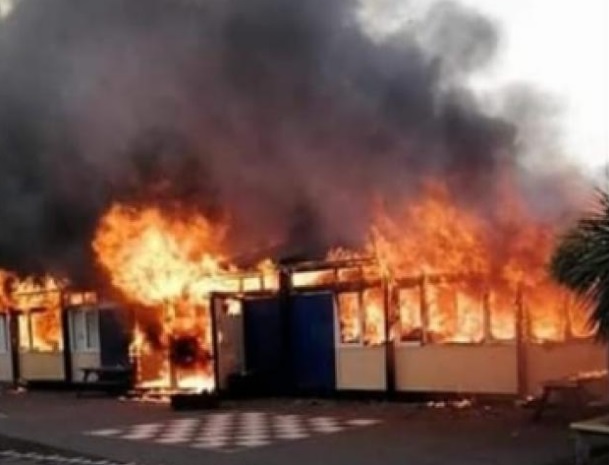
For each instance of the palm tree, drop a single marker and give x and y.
(580, 261)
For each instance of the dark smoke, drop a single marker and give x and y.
(282, 115)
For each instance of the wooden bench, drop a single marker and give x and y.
(109, 379)
(579, 393)
(586, 432)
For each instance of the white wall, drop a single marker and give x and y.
(41, 366)
(360, 368)
(6, 367)
(489, 369)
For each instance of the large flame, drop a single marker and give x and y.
(169, 263)
(476, 273)
(450, 274)
(155, 258)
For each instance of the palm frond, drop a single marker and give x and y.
(580, 260)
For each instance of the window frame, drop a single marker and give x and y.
(411, 342)
(26, 318)
(360, 319)
(5, 334)
(82, 340)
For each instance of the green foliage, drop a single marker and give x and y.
(581, 261)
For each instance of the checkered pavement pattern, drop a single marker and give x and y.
(232, 431)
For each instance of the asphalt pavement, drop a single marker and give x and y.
(275, 432)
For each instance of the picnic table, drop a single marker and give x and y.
(109, 379)
(574, 392)
(586, 432)
(570, 391)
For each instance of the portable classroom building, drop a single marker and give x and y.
(317, 334)
(51, 343)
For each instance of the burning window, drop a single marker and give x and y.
(40, 331)
(84, 326)
(374, 316)
(40, 319)
(456, 314)
(361, 317)
(502, 312)
(349, 317)
(409, 302)
(580, 319)
(547, 317)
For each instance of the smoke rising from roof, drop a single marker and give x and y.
(284, 117)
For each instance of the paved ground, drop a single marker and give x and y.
(278, 433)
(234, 431)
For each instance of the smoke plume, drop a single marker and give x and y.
(283, 117)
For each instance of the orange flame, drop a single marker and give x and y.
(482, 280)
(172, 263)
(154, 258)
(40, 302)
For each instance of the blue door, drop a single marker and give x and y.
(312, 342)
(263, 342)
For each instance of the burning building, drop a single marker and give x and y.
(177, 151)
(432, 304)
(437, 309)
(50, 331)
(442, 308)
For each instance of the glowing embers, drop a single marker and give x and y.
(361, 317)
